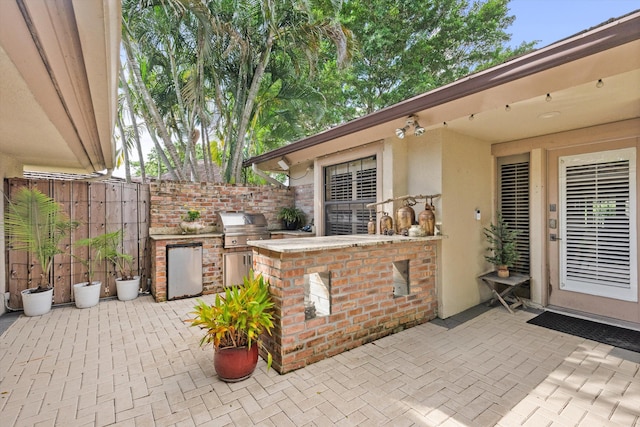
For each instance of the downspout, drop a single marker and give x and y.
(270, 180)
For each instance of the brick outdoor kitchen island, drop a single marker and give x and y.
(336, 293)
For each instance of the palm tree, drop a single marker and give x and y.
(206, 64)
(35, 223)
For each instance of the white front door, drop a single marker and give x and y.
(597, 230)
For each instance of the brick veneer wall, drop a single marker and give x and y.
(304, 199)
(211, 264)
(363, 307)
(170, 200)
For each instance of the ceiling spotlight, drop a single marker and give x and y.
(411, 121)
(284, 164)
(507, 107)
(548, 98)
(400, 132)
(471, 117)
(599, 84)
(445, 124)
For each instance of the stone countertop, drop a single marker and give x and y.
(293, 233)
(307, 244)
(184, 236)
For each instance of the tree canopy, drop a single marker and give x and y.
(218, 81)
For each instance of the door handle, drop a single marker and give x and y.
(554, 237)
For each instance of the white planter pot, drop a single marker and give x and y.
(36, 304)
(128, 289)
(87, 295)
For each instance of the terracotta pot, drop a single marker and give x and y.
(503, 271)
(234, 364)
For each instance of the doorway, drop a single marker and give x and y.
(592, 231)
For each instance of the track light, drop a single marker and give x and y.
(507, 107)
(599, 84)
(411, 121)
(471, 117)
(548, 98)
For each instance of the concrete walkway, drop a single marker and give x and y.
(136, 363)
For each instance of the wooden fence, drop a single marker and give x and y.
(100, 207)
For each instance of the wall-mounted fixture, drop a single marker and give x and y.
(284, 164)
(599, 83)
(411, 121)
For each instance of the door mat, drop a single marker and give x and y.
(606, 334)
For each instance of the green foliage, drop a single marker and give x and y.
(408, 47)
(291, 215)
(239, 317)
(106, 247)
(502, 243)
(36, 223)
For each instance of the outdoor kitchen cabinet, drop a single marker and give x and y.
(236, 267)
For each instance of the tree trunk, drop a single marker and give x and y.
(153, 111)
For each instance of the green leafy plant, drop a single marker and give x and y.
(239, 317)
(293, 216)
(502, 243)
(37, 224)
(106, 247)
(192, 215)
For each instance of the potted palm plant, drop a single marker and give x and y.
(87, 294)
(37, 224)
(292, 218)
(234, 323)
(127, 285)
(502, 244)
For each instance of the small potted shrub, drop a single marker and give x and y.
(502, 244)
(292, 218)
(191, 223)
(36, 223)
(233, 323)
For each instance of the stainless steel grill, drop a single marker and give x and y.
(239, 227)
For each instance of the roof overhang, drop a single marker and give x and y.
(568, 70)
(59, 64)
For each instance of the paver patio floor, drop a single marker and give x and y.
(136, 363)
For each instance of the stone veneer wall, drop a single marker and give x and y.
(363, 307)
(170, 201)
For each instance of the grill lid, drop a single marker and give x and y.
(239, 227)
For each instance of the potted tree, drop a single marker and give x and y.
(87, 294)
(127, 285)
(502, 244)
(37, 224)
(292, 218)
(233, 323)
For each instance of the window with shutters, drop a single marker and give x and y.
(349, 187)
(598, 218)
(513, 203)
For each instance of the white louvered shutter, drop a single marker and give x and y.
(514, 207)
(598, 246)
